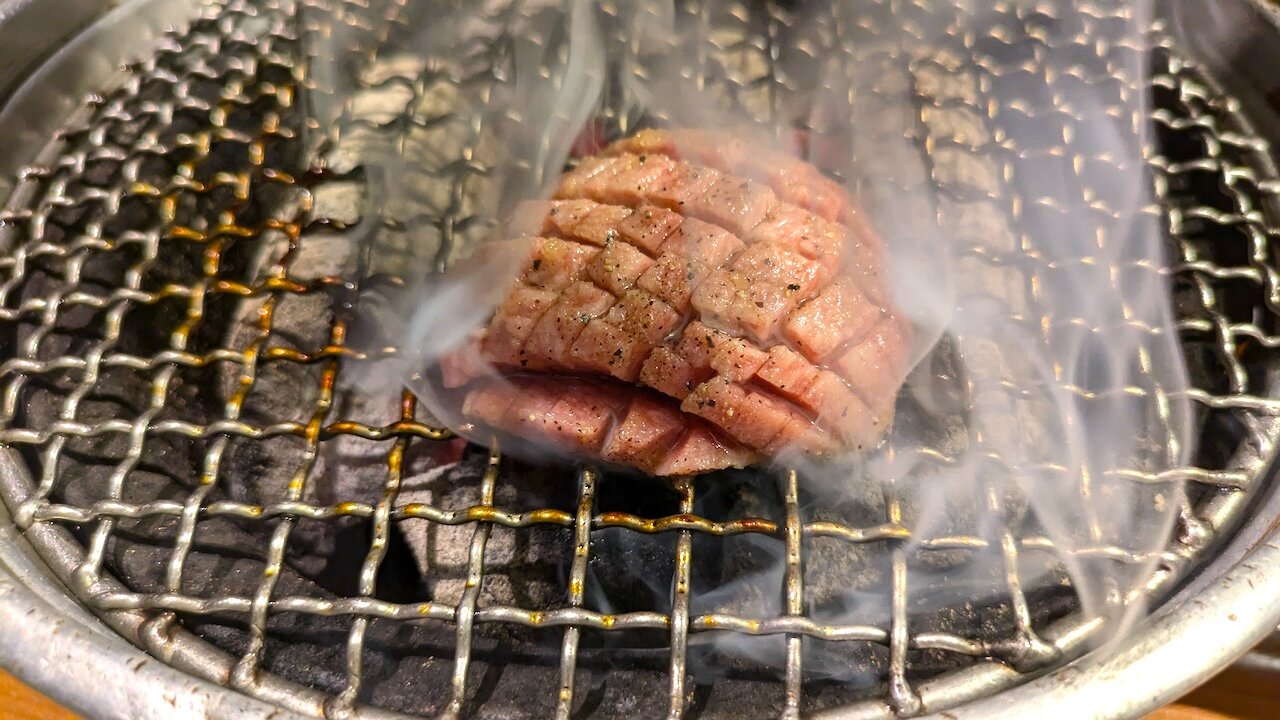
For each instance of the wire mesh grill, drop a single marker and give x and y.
(177, 310)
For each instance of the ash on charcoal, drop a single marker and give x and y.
(845, 582)
(629, 571)
(513, 681)
(740, 575)
(523, 568)
(738, 495)
(633, 571)
(225, 560)
(527, 569)
(827, 690)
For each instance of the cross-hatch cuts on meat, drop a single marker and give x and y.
(691, 303)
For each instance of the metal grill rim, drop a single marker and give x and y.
(149, 617)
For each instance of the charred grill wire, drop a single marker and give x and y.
(183, 310)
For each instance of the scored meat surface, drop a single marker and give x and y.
(691, 303)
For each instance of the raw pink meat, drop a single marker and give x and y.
(690, 303)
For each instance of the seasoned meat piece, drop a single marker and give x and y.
(690, 303)
(796, 182)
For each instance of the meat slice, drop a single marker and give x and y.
(840, 313)
(600, 226)
(644, 315)
(804, 233)
(618, 342)
(797, 184)
(707, 245)
(682, 187)
(670, 373)
(690, 303)
(585, 416)
(672, 277)
(737, 359)
(646, 433)
(752, 418)
(777, 265)
(691, 254)
(630, 186)
(514, 323)
(730, 201)
(703, 450)
(591, 173)
(737, 302)
(649, 227)
(555, 264)
(734, 203)
(563, 218)
(874, 367)
(607, 349)
(842, 412)
(553, 337)
(795, 181)
(618, 266)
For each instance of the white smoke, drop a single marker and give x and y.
(1004, 165)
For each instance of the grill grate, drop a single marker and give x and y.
(183, 242)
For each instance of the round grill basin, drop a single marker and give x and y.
(193, 261)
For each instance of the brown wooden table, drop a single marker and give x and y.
(20, 702)
(1234, 695)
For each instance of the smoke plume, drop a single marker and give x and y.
(1038, 435)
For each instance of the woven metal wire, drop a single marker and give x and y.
(208, 147)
